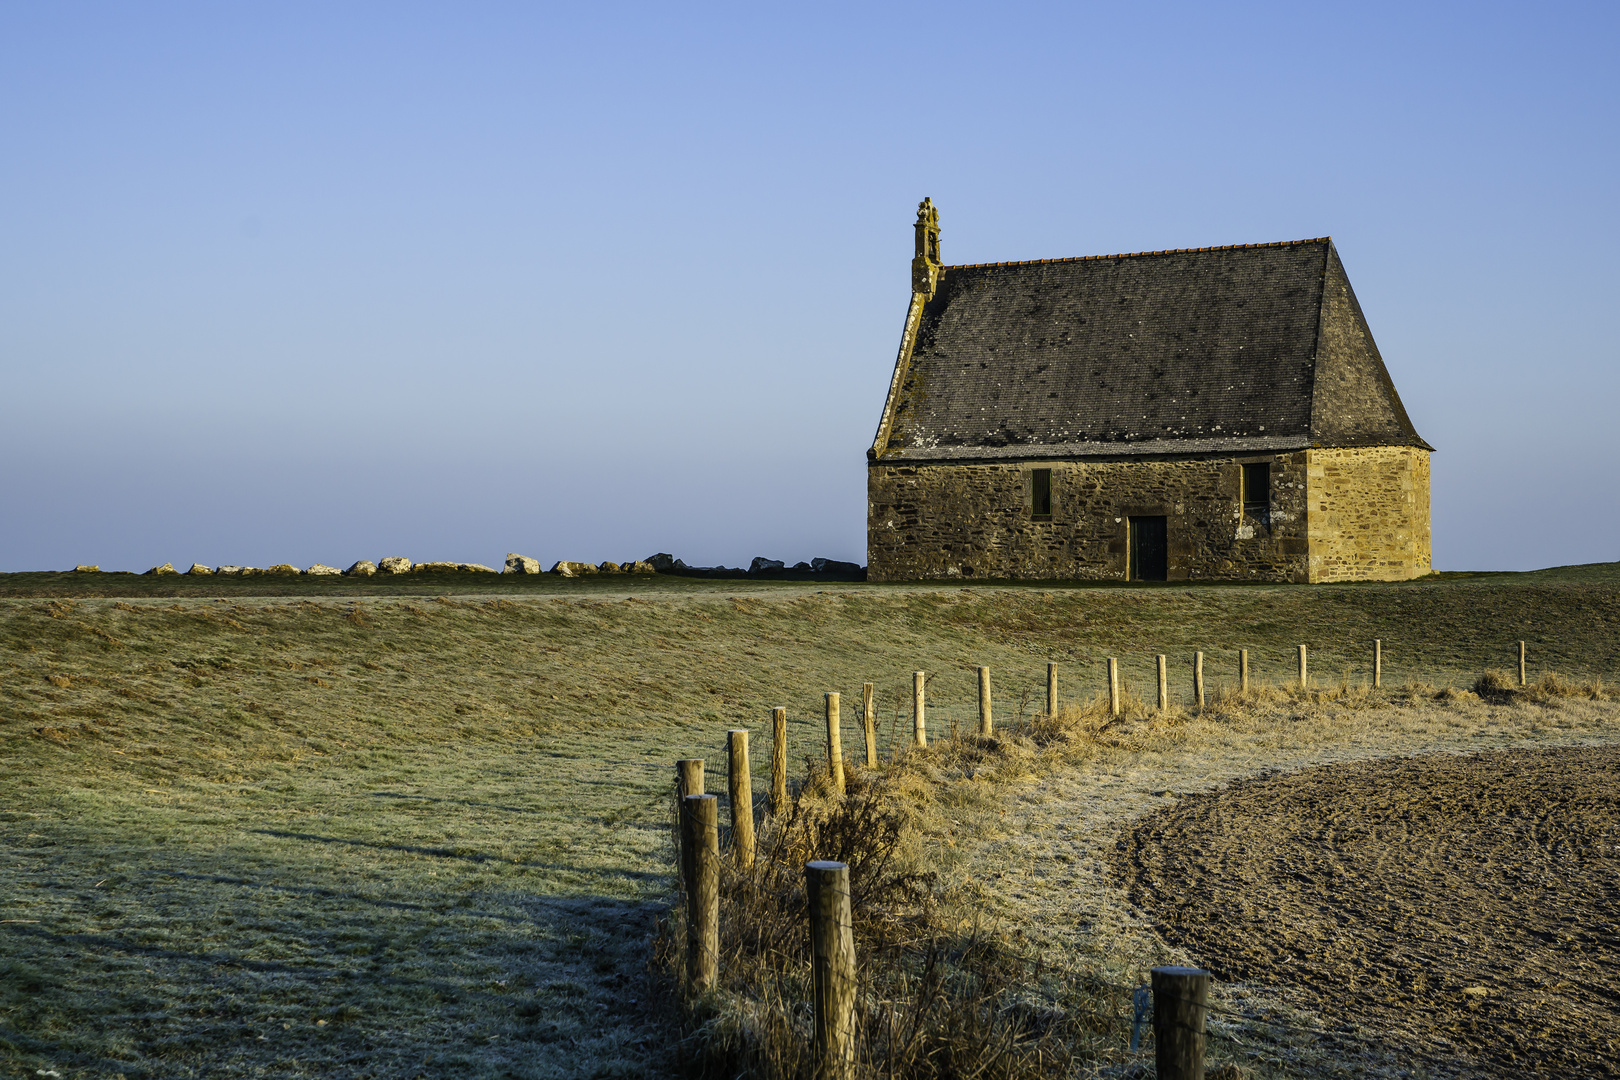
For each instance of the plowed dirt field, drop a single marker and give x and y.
(1462, 907)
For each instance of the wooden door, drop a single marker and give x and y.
(1150, 549)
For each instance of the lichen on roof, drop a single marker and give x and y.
(1192, 350)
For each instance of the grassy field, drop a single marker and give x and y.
(418, 827)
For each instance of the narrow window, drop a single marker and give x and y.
(1041, 489)
(1257, 493)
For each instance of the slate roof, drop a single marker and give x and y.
(1208, 350)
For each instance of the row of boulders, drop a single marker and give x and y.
(585, 569)
(760, 567)
(662, 563)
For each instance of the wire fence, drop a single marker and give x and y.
(1234, 1026)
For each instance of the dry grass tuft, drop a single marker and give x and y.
(1498, 686)
(936, 1000)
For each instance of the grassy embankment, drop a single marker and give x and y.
(389, 834)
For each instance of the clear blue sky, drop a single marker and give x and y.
(321, 282)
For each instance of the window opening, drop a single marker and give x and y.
(1257, 493)
(1041, 490)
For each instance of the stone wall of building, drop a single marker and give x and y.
(1368, 513)
(949, 520)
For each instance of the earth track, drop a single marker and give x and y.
(1461, 906)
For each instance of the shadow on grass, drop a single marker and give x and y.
(353, 986)
(449, 853)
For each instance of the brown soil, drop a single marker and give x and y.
(1462, 907)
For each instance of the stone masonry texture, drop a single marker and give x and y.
(1346, 514)
(1367, 513)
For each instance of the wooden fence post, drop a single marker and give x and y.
(919, 729)
(778, 760)
(986, 725)
(1521, 665)
(871, 726)
(835, 744)
(740, 787)
(1164, 682)
(1198, 679)
(1243, 670)
(700, 859)
(1304, 677)
(832, 970)
(1051, 689)
(1180, 1005)
(1378, 663)
(688, 777)
(1113, 685)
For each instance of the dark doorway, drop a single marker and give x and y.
(1150, 549)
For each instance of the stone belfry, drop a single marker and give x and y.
(925, 267)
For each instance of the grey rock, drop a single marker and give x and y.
(640, 566)
(199, 569)
(363, 568)
(573, 569)
(833, 566)
(662, 563)
(762, 565)
(166, 568)
(85, 568)
(230, 571)
(394, 564)
(281, 569)
(322, 570)
(521, 564)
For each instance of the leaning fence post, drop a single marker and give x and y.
(1180, 1004)
(688, 777)
(871, 726)
(1378, 663)
(1243, 670)
(1304, 679)
(1521, 664)
(1051, 689)
(986, 726)
(919, 729)
(1164, 682)
(1113, 685)
(740, 787)
(835, 745)
(1198, 679)
(832, 971)
(778, 760)
(700, 860)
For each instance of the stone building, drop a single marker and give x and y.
(1202, 414)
